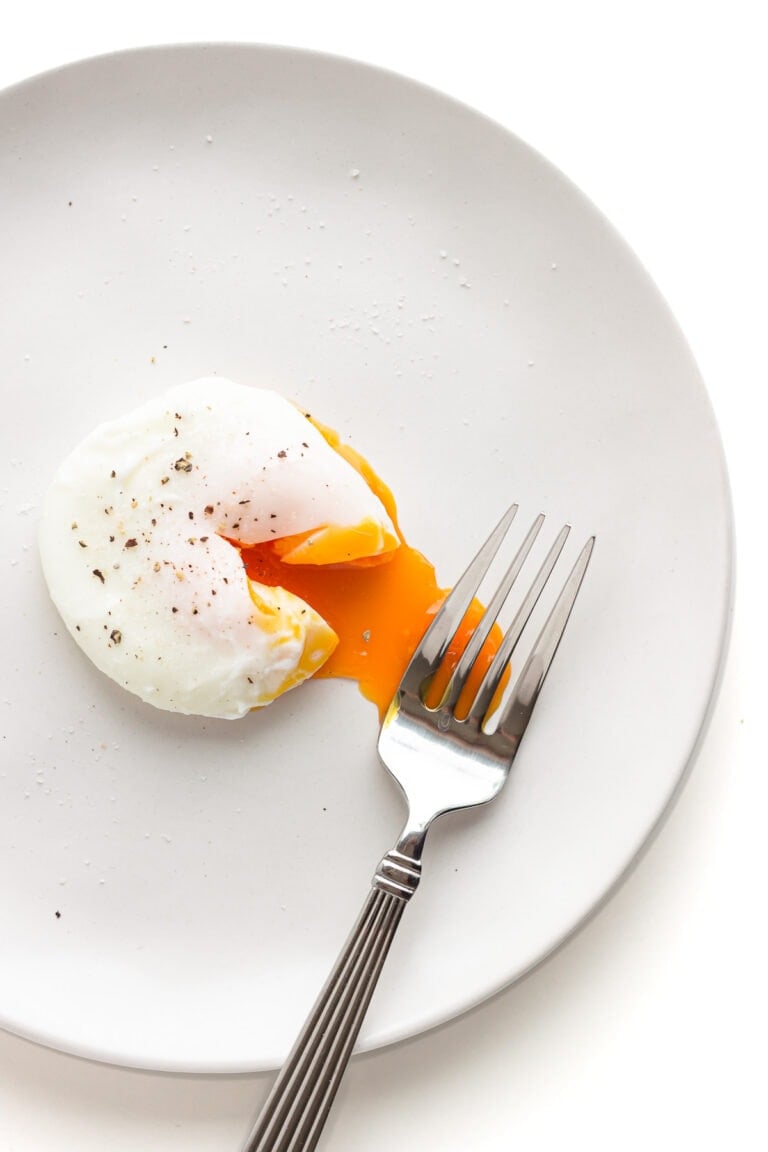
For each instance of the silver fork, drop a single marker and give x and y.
(442, 763)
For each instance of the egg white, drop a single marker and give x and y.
(135, 545)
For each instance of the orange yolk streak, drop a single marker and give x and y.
(378, 607)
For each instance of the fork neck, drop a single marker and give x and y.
(399, 872)
(411, 841)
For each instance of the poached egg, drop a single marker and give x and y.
(216, 547)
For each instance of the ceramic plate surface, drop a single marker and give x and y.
(173, 890)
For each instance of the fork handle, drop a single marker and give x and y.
(296, 1109)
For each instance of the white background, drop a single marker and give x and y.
(647, 1030)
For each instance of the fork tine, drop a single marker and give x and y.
(495, 673)
(435, 641)
(488, 619)
(517, 712)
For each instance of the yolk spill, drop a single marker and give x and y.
(379, 607)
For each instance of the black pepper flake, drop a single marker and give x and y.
(112, 474)
(191, 515)
(175, 431)
(98, 574)
(165, 479)
(111, 539)
(208, 509)
(183, 465)
(304, 444)
(282, 454)
(116, 636)
(203, 539)
(243, 501)
(273, 515)
(57, 914)
(131, 543)
(174, 610)
(82, 543)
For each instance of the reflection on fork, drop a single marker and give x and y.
(445, 753)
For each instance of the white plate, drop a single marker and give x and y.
(428, 284)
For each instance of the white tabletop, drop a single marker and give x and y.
(645, 1030)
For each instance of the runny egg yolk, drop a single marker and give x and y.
(378, 607)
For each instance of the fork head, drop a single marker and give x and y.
(442, 749)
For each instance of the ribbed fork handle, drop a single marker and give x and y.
(296, 1109)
